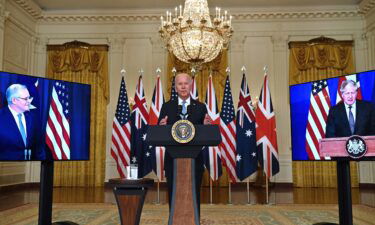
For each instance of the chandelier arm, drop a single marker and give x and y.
(200, 47)
(212, 52)
(183, 47)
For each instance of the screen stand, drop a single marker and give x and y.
(45, 196)
(344, 192)
(45, 193)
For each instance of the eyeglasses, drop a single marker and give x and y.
(30, 99)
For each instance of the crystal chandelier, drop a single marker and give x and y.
(191, 36)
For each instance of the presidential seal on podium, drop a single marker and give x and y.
(183, 131)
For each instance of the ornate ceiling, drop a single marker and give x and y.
(154, 4)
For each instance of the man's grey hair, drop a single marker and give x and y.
(13, 92)
(346, 83)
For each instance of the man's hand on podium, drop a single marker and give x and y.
(163, 121)
(207, 120)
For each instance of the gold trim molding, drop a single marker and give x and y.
(366, 6)
(30, 7)
(37, 13)
(49, 18)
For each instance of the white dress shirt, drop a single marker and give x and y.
(15, 115)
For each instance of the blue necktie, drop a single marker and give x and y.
(22, 128)
(351, 120)
(184, 109)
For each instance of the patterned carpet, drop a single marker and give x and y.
(106, 214)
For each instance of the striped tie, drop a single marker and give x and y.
(351, 120)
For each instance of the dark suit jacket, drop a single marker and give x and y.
(197, 112)
(11, 143)
(338, 124)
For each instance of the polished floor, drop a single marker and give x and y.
(219, 195)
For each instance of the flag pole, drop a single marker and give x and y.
(230, 193)
(158, 193)
(248, 190)
(210, 191)
(266, 189)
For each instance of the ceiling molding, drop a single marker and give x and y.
(53, 18)
(30, 7)
(366, 6)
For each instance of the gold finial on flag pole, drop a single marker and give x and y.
(174, 71)
(158, 71)
(228, 71)
(141, 72)
(193, 71)
(265, 69)
(123, 72)
(243, 69)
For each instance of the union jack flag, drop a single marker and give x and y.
(247, 160)
(58, 124)
(120, 147)
(211, 155)
(266, 132)
(352, 77)
(194, 90)
(317, 117)
(157, 102)
(228, 133)
(141, 153)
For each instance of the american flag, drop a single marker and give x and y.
(352, 77)
(141, 153)
(194, 90)
(120, 147)
(317, 117)
(174, 95)
(247, 160)
(211, 155)
(266, 132)
(157, 102)
(58, 124)
(228, 133)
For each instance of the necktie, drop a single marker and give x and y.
(22, 128)
(351, 120)
(184, 109)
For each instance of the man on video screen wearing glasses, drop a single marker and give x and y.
(19, 128)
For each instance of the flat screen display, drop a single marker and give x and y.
(43, 119)
(320, 109)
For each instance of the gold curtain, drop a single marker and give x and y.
(217, 68)
(319, 58)
(80, 62)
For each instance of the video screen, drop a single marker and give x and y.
(43, 119)
(336, 107)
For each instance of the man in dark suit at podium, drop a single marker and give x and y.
(172, 111)
(351, 116)
(19, 128)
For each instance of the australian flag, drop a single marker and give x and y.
(247, 160)
(141, 153)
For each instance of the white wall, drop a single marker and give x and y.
(17, 41)
(260, 38)
(367, 169)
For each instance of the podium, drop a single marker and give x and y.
(335, 148)
(184, 208)
(130, 196)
